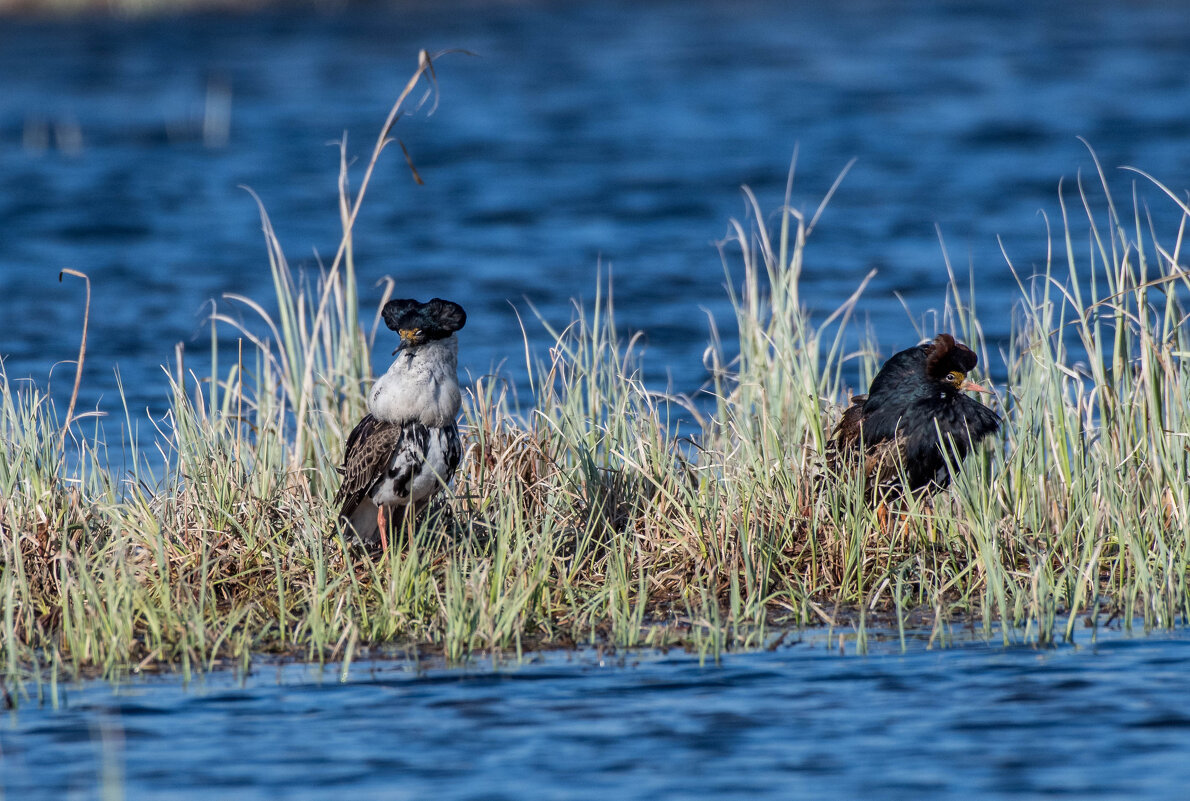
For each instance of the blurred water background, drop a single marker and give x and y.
(581, 136)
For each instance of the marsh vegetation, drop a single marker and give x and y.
(588, 518)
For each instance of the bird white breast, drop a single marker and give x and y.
(421, 384)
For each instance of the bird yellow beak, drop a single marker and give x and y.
(970, 386)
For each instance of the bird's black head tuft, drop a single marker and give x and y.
(422, 322)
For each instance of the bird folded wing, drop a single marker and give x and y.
(369, 449)
(884, 461)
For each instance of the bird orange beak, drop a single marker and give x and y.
(971, 386)
(409, 336)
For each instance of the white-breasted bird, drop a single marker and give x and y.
(406, 449)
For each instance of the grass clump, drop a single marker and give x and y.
(587, 520)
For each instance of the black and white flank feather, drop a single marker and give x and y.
(407, 448)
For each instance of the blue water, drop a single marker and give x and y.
(1104, 721)
(579, 134)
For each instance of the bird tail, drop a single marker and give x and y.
(359, 523)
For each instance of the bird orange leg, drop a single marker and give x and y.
(882, 517)
(382, 523)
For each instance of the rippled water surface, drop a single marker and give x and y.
(580, 133)
(1095, 721)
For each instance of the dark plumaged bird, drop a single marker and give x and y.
(915, 403)
(406, 449)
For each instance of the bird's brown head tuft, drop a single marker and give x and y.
(949, 361)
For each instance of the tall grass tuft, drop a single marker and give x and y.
(587, 519)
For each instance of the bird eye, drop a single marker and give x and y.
(955, 377)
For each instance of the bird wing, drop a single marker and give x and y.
(882, 456)
(365, 457)
(847, 432)
(884, 462)
(979, 421)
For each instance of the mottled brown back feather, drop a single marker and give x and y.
(368, 450)
(847, 432)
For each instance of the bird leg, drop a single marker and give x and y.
(382, 524)
(882, 517)
(931, 532)
(905, 528)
